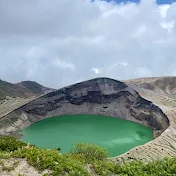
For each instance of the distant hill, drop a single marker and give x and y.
(35, 87)
(165, 84)
(24, 89)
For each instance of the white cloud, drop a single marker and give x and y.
(163, 9)
(60, 42)
(96, 71)
(64, 65)
(168, 25)
(118, 65)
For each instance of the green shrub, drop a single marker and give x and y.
(83, 160)
(10, 144)
(50, 159)
(90, 151)
(103, 167)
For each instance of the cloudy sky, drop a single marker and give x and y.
(61, 42)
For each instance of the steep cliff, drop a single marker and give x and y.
(101, 96)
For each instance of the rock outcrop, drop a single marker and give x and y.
(101, 96)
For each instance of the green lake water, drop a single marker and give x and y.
(116, 135)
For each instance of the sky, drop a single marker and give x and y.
(61, 42)
(137, 1)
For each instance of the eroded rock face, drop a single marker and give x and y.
(100, 96)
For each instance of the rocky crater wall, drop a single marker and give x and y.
(102, 96)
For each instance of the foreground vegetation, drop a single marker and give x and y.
(82, 160)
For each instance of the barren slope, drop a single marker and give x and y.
(165, 85)
(25, 89)
(13, 96)
(163, 95)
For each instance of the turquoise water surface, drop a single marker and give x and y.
(117, 135)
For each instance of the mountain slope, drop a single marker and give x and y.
(24, 89)
(35, 87)
(160, 84)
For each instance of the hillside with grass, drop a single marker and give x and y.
(83, 160)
